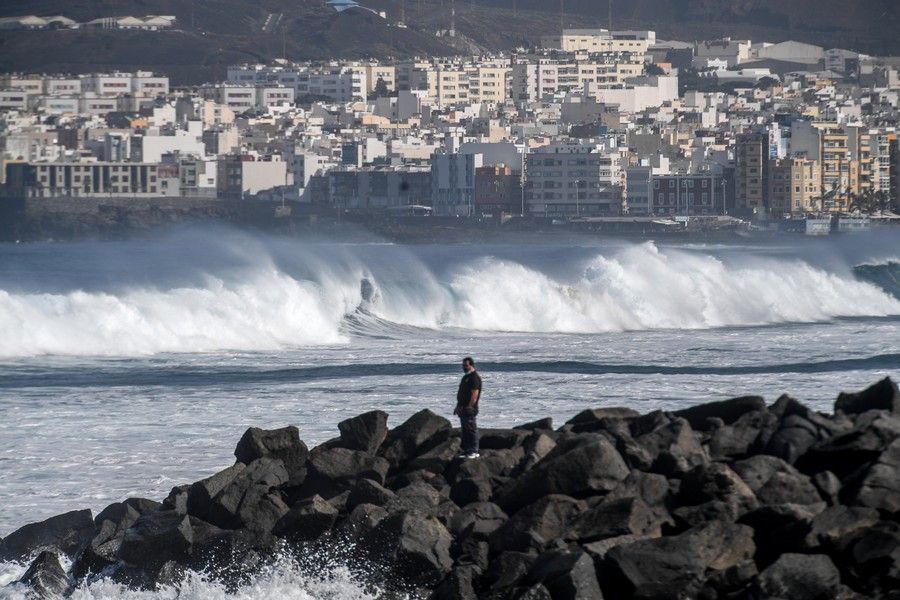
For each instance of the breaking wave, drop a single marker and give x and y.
(325, 299)
(285, 580)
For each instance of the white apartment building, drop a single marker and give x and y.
(637, 93)
(571, 178)
(601, 40)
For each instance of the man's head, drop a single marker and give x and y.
(468, 364)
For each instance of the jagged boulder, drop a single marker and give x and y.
(436, 459)
(307, 520)
(774, 481)
(652, 488)
(156, 538)
(468, 490)
(883, 395)
(800, 577)
(779, 528)
(874, 559)
(728, 411)
(545, 424)
(366, 491)
(742, 437)
(843, 454)
(878, 485)
(45, 577)
(829, 486)
(536, 525)
(478, 518)
(201, 493)
(507, 569)
(414, 436)
(835, 527)
(459, 585)
(67, 533)
(617, 517)
(364, 432)
(250, 499)
(283, 444)
(415, 547)
(342, 465)
(674, 448)
(501, 439)
(593, 466)
(671, 567)
(566, 574)
(111, 524)
(598, 418)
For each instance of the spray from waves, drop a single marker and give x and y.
(266, 311)
(644, 288)
(329, 298)
(284, 580)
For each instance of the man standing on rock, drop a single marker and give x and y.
(467, 408)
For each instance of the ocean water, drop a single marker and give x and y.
(127, 368)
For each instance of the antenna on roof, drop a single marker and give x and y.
(610, 15)
(562, 12)
(452, 18)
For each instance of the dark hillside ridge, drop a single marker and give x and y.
(211, 34)
(731, 499)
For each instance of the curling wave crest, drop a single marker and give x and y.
(270, 307)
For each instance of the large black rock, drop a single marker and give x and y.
(250, 500)
(307, 520)
(284, 444)
(156, 538)
(413, 436)
(414, 547)
(479, 519)
(774, 481)
(674, 448)
(67, 533)
(612, 518)
(201, 493)
(728, 411)
(878, 485)
(341, 465)
(800, 577)
(675, 566)
(364, 432)
(45, 577)
(845, 453)
(538, 524)
(883, 395)
(567, 575)
(591, 467)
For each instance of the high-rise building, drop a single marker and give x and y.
(751, 176)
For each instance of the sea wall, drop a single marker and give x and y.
(732, 499)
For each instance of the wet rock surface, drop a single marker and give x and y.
(731, 499)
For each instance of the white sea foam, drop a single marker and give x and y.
(284, 581)
(638, 287)
(642, 287)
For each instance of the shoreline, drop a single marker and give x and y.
(725, 499)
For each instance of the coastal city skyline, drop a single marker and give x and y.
(618, 127)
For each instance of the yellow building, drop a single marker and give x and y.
(795, 186)
(487, 84)
(385, 73)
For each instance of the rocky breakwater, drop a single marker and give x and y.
(732, 499)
